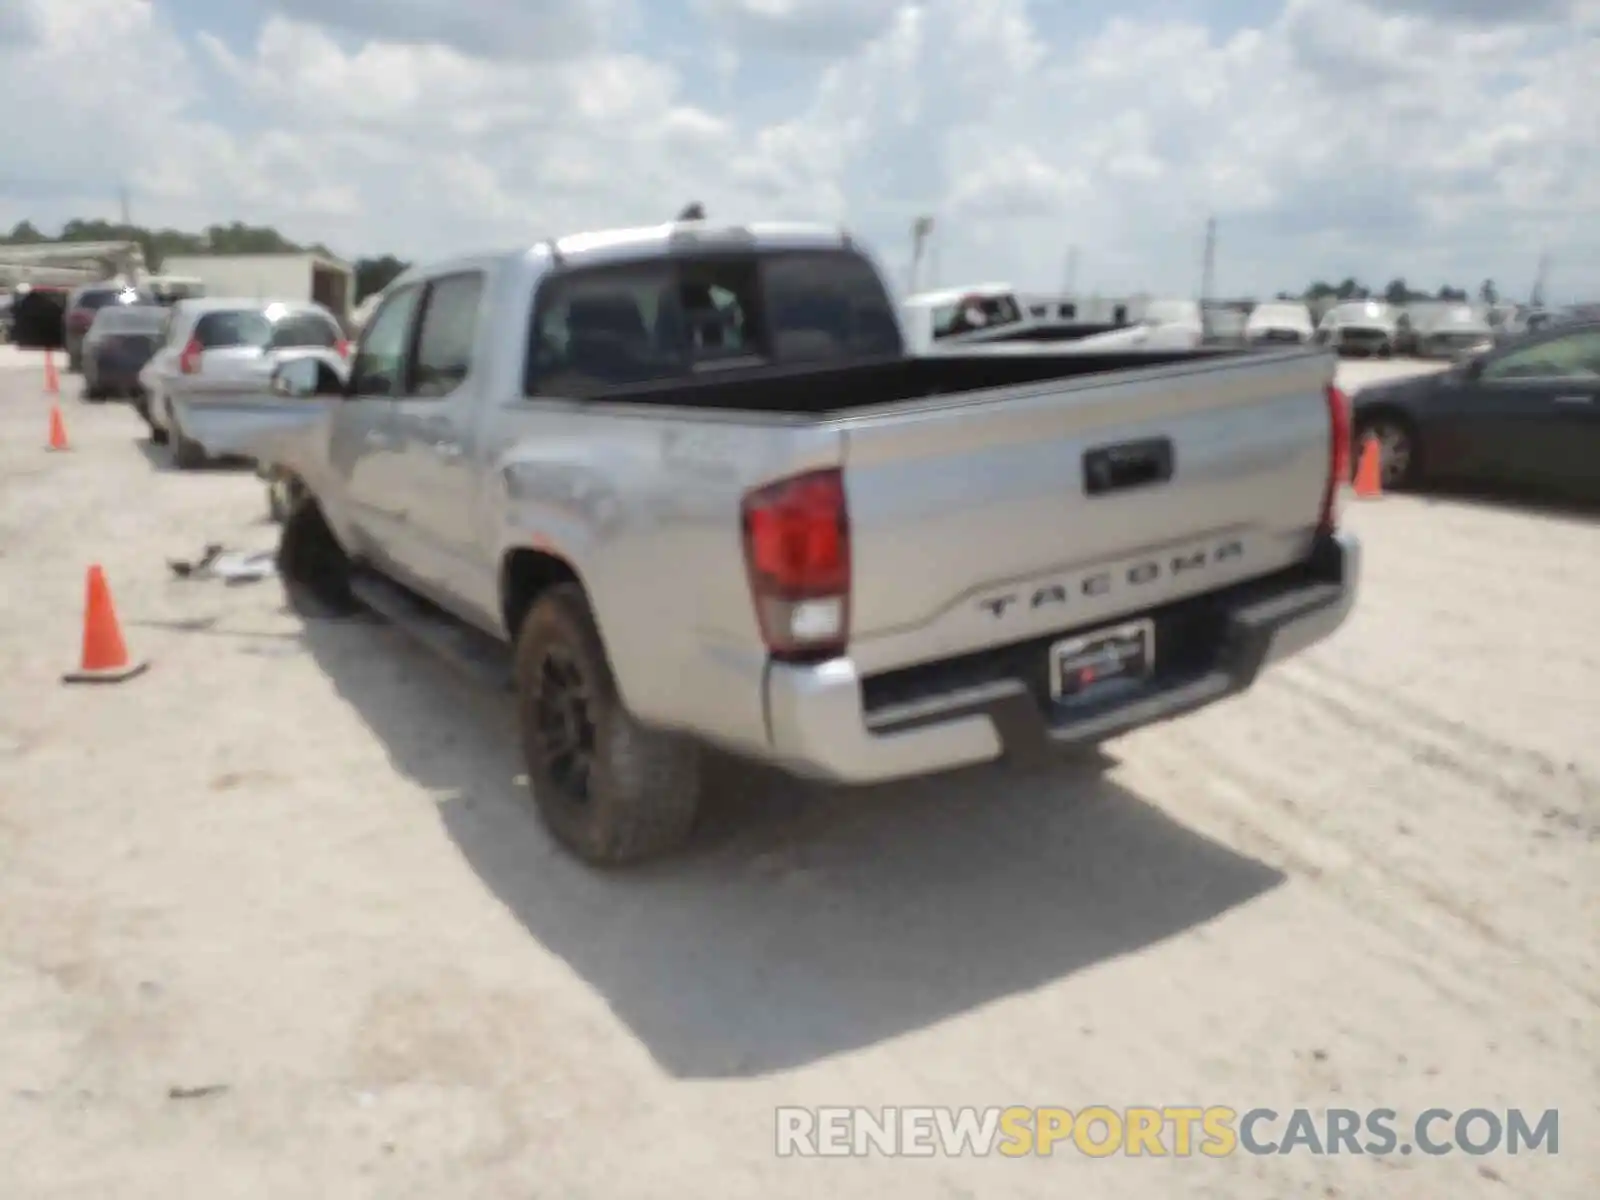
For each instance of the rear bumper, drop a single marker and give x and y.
(827, 722)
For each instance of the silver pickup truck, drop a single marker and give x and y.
(681, 487)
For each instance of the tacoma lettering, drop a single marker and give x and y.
(1102, 582)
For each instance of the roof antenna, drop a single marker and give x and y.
(694, 212)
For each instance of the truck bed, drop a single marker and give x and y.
(974, 520)
(808, 390)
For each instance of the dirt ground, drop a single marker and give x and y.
(294, 863)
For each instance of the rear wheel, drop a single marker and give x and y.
(610, 791)
(1399, 456)
(187, 455)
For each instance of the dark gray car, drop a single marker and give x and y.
(82, 306)
(121, 340)
(1525, 415)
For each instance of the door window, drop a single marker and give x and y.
(380, 362)
(1575, 356)
(446, 334)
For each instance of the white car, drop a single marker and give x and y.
(1279, 321)
(1361, 327)
(982, 314)
(215, 351)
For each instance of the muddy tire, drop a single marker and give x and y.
(313, 566)
(609, 790)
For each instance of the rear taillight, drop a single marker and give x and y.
(342, 348)
(1338, 457)
(79, 320)
(189, 360)
(797, 553)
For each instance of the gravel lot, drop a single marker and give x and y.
(293, 862)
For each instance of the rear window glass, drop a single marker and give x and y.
(232, 327)
(100, 297)
(650, 322)
(826, 306)
(305, 329)
(130, 318)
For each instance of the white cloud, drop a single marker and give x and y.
(1368, 138)
(799, 27)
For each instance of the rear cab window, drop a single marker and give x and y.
(611, 328)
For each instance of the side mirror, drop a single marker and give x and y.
(297, 379)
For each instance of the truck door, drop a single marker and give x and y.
(1536, 411)
(366, 452)
(436, 427)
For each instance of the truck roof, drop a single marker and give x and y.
(647, 241)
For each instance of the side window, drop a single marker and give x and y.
(1575, 356)
(446, 335)
(607, 328)
(380, 362)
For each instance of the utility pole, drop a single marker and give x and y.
(1536, 300)
(921, 228)
(1069, 280)
(122, 195)
(1208, 275)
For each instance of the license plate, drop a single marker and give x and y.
(1125, 653)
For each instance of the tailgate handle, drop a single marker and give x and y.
(1129, 465)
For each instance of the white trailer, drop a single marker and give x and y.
(294, 276)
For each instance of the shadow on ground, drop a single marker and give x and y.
(160, 459)
(803, 922)
(1576, 510)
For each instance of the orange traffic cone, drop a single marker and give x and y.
(105, 656)
(52, 381)
(58, 430)
(1369, 470)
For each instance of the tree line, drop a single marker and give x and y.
(375, 274)
(1398, 292)
(371, 274)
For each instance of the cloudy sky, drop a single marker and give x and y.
(1443, 140)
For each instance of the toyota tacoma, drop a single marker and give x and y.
(682, 487)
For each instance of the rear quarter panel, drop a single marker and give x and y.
(644, 504)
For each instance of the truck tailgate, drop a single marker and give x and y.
(983, 518)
